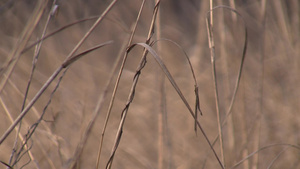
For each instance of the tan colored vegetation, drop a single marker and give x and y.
(111, 84)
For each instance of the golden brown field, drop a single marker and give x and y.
(68, 101)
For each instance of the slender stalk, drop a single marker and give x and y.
(91, 29)
(35, 58)
(256, 143)
(30, 104)
(99, 106)
(68, 61)
(12, 60)
(132, 91)
(116, 85)
(214, 75)
(175, 86)
(17, 131)
(263, 148)
(162, 107)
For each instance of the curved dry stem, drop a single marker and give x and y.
(172, 81)
(277, 156)
(242, 59)
(196, 90)
(62, 29)
(210, 33)
(64, 65)
(67, 62)
(57, 31)
(239, 71)
(72, 59)
(263, 148)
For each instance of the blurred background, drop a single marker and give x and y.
(264, 116)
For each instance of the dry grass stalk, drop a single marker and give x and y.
(262, 106)
(12, 60)
(163, 109)
(70, 59)
(213, 56)
(131, 94)
(172, 81)
(117, 84)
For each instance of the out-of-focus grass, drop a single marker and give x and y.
(264, 112)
